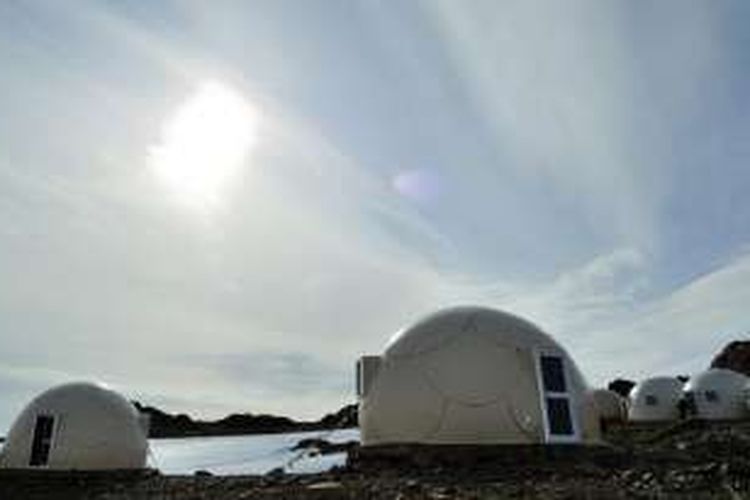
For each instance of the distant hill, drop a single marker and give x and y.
(163, 425)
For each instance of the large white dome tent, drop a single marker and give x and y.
(473, 375)
(655, 399)
(79, 426)
(718, 394)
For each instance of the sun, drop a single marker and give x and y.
(205, 144)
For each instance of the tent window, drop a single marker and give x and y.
(558, 416)
(558, 405)
(553, 375)
(42, 440)
(651, 400)
(712, 396)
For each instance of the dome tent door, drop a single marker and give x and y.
(41, 440)
(560, 421)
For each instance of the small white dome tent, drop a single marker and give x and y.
(655, 399)
(611, 406)
(80, 426)
(473, 375)
(718, 394)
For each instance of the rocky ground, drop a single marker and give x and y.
(688, 460)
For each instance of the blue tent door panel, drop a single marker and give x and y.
(556, 398)
(553, 374)
(558, 416)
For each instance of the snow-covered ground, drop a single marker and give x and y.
(226, 455)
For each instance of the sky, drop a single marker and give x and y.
(217, 207)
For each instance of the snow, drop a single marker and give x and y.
(258, 454)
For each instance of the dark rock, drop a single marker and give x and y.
(306, 444)
(621, 386)
(276, 473)
(345, 418)
(324, 447)
(735, 356)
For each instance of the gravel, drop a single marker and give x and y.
(689, 460)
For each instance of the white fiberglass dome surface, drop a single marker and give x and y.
(80, 426)
(610, 405)
(655, 399)
(474, 375)
(718, 394)
(435, 330)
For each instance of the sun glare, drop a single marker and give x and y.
(204, 144)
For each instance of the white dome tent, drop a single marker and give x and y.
(78, 426)
(473, 375)
(718, 394)
(611, 406)
(655, 399)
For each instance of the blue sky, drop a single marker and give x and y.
(584, 164)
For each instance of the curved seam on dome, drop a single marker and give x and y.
(443, 401)
(446, 340)
(441, 418)
(426, 374)
(454, 399)
(470, 319)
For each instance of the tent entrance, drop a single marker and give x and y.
(42, 440)
(558, 409)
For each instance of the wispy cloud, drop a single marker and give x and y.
(609, 316)
(519, 155)
(572, 101)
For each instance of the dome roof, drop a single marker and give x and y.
(656, 398)
(720, 378)
(665, 386)
(718, 393)
(474, 375)
(83, 397)
(89, 427)
(444, 326)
